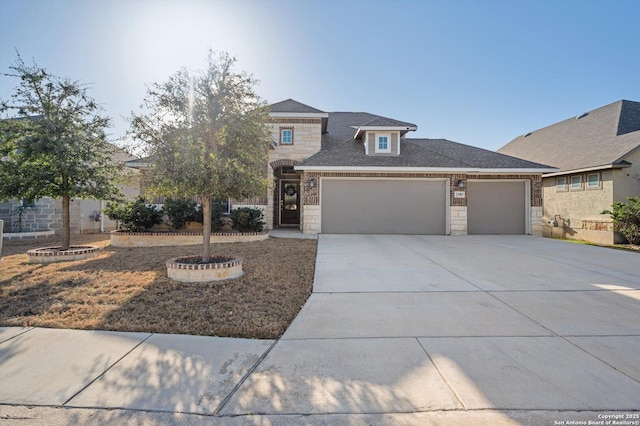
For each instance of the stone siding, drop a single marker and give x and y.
(458, 220)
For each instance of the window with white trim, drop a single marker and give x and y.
(286, 136)
(225, 205)
(383, 143)
(561, 183)
(593, 181)
(576, 183)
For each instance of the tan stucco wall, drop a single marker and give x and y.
(627, 181)
(577, 206)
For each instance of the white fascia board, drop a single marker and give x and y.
(299, 114)
(384, 128)
(420, 169)
(586, 169)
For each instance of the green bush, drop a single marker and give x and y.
(135, 216)
(626, 219)
(179, 211)
(246, 219)
(217, 209)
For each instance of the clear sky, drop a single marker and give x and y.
(479, 72)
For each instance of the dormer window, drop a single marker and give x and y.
(383, 143)
(286, 136)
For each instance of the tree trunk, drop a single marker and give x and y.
(206, 227)
(66, 223)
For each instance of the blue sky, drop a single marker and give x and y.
(477, 72)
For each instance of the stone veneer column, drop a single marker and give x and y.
(458, 220)
(311, 219)
(536, 221)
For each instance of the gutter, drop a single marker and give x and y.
(469, 170)
(588, 169)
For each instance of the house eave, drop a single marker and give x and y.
(470, 170)
(587, 169)
(402, 129)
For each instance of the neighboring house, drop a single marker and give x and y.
(355, 172)
(598, 157)
(45, 214)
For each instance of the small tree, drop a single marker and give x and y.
(53, 145)
(626, 219)
(206, 132)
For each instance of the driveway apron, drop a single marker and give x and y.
(401, 324)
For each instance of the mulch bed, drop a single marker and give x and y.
(127, 289)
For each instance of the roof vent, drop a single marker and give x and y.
(584, 114)
(528, 134)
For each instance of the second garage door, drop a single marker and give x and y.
(352, 206)
(496, 207)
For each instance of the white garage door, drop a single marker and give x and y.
(396, 206)
(496, 207)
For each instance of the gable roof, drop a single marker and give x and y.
(291, 106)
(599, 138)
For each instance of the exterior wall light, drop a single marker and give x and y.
(312, 183)
(460, 183)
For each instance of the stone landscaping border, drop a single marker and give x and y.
(32, 235)
(53, 254)
(179, 269)
(163, 239)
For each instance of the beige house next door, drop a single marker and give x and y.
(496, 207)
(383, 206)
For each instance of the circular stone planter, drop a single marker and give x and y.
(53, 254)
(186, 269)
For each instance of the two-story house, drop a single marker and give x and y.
(355, 172)
(597, 154)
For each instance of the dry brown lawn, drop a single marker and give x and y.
(127, 289)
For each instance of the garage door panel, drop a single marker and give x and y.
(496, 208)
(383, 207)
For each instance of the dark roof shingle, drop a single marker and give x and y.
(600, 137)
(289, 105)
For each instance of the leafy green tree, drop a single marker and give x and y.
(626, 219)
(53, 142)
(206, 133)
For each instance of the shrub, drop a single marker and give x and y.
(217, 209)
(179, 211)
(135, 216)
(626, 219)
(247, 219)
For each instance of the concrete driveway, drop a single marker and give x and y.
(412, 324)
(399, 330)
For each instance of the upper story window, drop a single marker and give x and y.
(576, 183)
(383, 143)
(593, 181)
(561, 184)
(286, 136)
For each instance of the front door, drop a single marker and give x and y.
(289, 203)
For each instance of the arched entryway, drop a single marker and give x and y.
(286, 197)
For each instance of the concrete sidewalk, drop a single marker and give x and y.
(399, 330)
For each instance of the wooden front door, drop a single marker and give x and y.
(289, 203)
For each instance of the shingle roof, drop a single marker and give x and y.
(474, 156)
(289, 105)
(339, 149)
(602, 137)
